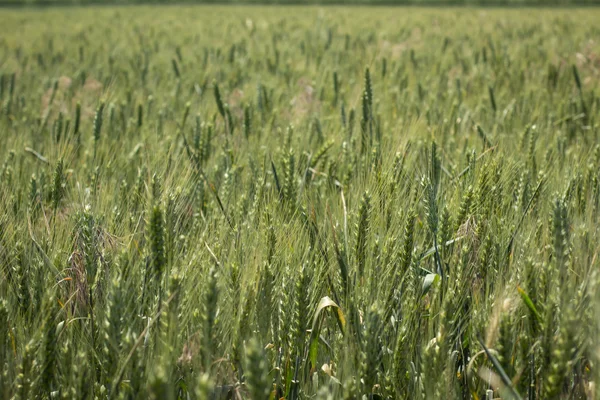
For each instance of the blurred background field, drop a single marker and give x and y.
(428, 3)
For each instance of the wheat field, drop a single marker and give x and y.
(226, 202)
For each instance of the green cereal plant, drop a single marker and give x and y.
(299, 202)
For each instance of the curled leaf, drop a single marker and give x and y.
(318, 318)
(428, 281)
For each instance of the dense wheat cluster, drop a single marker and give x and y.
(299, 203)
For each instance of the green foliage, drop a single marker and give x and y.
(299, 203)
